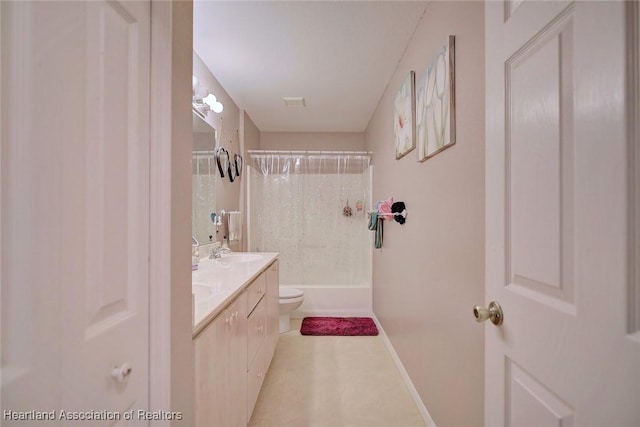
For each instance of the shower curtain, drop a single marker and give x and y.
(311, 207)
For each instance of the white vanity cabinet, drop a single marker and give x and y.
(263, 333)
(233, 353)
(220, 364)
(257, 362)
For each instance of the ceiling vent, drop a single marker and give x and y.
(294, 101)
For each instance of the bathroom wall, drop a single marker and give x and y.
(227, 125)
(430, 272)
(249, 140)
(251, 135)
(328, 141)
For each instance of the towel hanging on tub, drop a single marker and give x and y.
(375, 224)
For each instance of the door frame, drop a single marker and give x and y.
(1, 145)
(160, 193)
(633, 112)
(171, 361)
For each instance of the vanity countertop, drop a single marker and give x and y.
(216, 283)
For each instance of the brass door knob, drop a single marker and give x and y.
(493, 313)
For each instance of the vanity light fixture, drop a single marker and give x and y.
(213, 103)
(203, 101)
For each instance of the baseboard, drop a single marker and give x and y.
(405, 376)
(299, 314)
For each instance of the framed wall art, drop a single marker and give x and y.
(435, 104)
(404, 117)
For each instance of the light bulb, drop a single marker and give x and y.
(210, 99)
(217, 107)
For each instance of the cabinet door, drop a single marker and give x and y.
(273, 307)
(236, 347)
(211, 362)
(256, 331)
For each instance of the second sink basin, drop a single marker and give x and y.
(240, 257)
(202, 291)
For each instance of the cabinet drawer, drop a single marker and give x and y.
(257, 331)
(256, 290)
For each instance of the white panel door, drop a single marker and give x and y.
(558, 228)
(75, 199)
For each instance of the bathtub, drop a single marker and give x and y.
(328, 300)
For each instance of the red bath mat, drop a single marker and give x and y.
(341, 326)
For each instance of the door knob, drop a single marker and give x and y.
(121, 373)
(493, 313)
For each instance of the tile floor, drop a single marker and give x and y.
(333, 382)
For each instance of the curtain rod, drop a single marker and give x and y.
(310, 152)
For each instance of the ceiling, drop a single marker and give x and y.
(338, 55)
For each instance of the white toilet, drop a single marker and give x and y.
(290, 299)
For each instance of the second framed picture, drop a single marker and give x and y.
(404, 117)
(435, 104)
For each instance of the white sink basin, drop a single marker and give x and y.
(202, 291)
(239, 257)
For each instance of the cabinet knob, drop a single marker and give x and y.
(229, 320)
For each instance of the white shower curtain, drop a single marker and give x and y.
(300, 205)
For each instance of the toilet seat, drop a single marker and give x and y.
(290, 293)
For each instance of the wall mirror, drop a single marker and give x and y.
(203, 166)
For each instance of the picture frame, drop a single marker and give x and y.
(435, 104)
(404, 117)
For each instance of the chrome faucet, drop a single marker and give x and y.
(225, 245)
(216, 252)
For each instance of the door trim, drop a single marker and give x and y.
(160, 221)
(171, 361)
(1, 103)
(633, 110)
